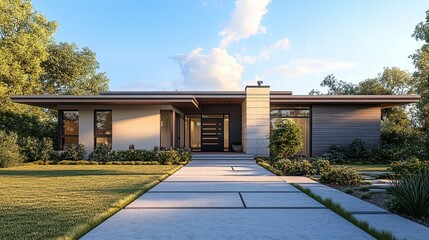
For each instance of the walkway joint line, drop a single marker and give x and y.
(242, 200)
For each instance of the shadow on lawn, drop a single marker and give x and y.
(66, 173)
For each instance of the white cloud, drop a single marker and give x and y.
(283, 44)
(245, 59)
(216, 70)
(303, 67)
(245, 21)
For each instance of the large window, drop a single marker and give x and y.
(300, 115)
(103, 127)
(69, 132)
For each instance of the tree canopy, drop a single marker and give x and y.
(32, 63)
(421, 75)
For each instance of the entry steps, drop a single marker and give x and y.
(222, 156)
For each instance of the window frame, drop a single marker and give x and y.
(297, 107)
(62, 135)
(96, 135)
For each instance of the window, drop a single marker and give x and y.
(103, 127)
(300, 115)
(69, 132)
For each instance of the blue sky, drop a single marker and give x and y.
(225, 45)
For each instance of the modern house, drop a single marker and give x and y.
(211, 121)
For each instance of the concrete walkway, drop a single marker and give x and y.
(376, 217)
(212, 199)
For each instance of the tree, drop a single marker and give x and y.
(286, 138)
(421, 75)
(24, 37)
(69, 70)
(32, 63)
(335, 86)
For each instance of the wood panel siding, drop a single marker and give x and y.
(341, 124)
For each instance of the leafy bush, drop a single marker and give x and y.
(33, 149)
(9, 150)
(286, 138)
(412, 193)
(356, 151)
(335, 154)
(321, 166)
(185, 154)
(404, 168)
(341, 176)
(169, 156)
(295, 167)
(101, 153)
(75, 152)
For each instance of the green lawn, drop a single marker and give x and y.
(369, 167)
(63, 201)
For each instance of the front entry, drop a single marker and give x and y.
(212, 131)
(207, 132)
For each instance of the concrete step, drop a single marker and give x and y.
(222, 156)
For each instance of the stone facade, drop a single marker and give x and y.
(256, 120)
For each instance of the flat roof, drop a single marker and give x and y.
(191, 101)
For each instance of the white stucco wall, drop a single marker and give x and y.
(86, 128)
(138, 126)
(131, 124)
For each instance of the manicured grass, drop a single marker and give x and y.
(369, 167)
(53, 201)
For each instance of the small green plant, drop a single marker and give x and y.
(9, 150)
(366, 196)
(412, 193)
(101, 153)
(364, 189)
(341, 176)
(75, 152)
(286, 138)
(349, 190)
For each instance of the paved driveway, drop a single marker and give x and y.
(225, 200)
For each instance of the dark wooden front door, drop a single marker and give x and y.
(212, 134)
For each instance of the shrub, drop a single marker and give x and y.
(46, 149)
(356, 151)
(335, 154)
(132, 155)
(185, 154)
(101, 153)
(295, 167)
(412, 193)
(341, 176)
(321, 165)
(168, 156)
(33, 149)
(404, 168)
(286, 138)
(75, 152)
(9, 150)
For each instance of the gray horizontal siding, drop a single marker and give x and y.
(341, 124)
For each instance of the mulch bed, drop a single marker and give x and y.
(379, 199)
